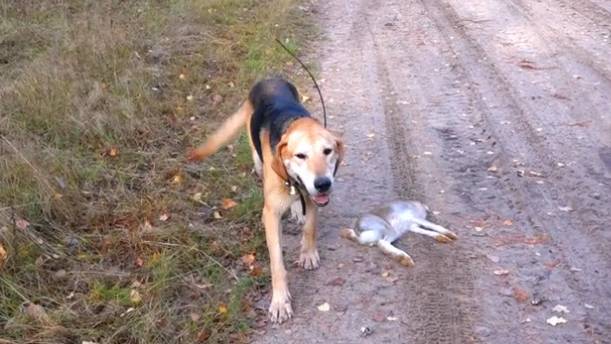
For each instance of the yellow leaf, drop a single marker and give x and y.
(222, 309)
(164, 217)
(135, 297)
(177, 179)
(113, 152)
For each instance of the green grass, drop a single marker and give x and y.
(100, 101)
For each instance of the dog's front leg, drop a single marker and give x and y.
(280, 308)
(308, 257)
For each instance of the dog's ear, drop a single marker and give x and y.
(339, 147)
(277, 162)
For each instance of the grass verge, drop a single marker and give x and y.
(106, 235)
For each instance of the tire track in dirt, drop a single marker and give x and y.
(598, 15)
(438, 317)
(404, 77)
(528, 195)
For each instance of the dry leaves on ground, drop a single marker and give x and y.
(228, 203)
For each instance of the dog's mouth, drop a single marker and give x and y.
(321, 199)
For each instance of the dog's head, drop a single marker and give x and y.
(311, 154)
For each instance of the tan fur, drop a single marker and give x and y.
(227, 132)
(276, 195)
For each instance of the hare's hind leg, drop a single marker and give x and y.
(395, 253)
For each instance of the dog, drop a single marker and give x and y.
(297, 159)
(385, 225)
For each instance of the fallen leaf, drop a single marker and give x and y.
(177, 179)
(189, 98)
(37, 313)
(164, 217)
(3, 255)
(304, 98)
(560, 309)
(507, 222)
(113, 152)
(379, 316)
(526, 64)
(129, 310)
(520, 294)
(366, 331)
(197, 197)
(494, 259)
(324, 307)
(556, 320)
(217, 215)
(228, 203)
(139, 262)
(222, 309)
(535, 174)
(22, 224)
(371, 135)
(182, 76)
(147, 227)
(255, 270)
(248, 259)
(135, 297)
(501, 272)
(337, 282)
(195, 316)
(493, 168)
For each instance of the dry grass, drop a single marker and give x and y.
(100, 100)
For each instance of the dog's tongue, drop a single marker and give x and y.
(321, 199)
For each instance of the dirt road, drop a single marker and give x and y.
(497, 115)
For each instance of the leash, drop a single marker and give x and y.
(322, 100)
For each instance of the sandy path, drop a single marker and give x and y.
(497, 115)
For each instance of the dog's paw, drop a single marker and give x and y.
(442, 238)
(280, 309)
(309, 260)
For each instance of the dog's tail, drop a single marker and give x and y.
(228, 131)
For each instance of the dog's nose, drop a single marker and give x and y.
(322, 184)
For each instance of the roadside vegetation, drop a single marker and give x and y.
(106, 234)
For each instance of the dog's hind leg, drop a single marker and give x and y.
(435, 227)
(437, 236)
(395, 253)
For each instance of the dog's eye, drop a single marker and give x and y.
(327, 151)
(301, 156)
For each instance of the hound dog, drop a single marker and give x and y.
(297, 159)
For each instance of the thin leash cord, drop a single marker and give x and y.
(322, 101)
